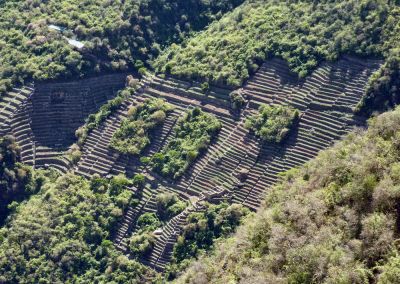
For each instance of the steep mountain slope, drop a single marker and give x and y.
(203, 149)
(116, 34)
(304, 33)
(335, 220)
(60, 235)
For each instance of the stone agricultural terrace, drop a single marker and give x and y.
(44, 118)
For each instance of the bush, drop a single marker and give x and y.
(139, 180)
(273, 123)
(169, 205)
(202, 230)
(141, 245)
(16, 180)
(134, 133)
(193, 134)
(237, 100)
(148, 222)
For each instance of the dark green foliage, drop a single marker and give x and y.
(169, 205)
(273, 123)
(61, 235)
(148, 222)
(237, 100)
(335, 220)
(117, 34)
(133, 135)
(141, 244)
(203, 229)
(304, 33)
(139, 180)
(16, 180)
(383, 90)
(192, 135)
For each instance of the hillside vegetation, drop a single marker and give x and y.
(304, 33)
(61, 234)
(133, 135)
(335, 220)
(272, 123)
(117, 34)
(16, 180)
(193, 134)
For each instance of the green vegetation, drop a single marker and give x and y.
(217, 221)
(141, 243)
(96, 119)
(133, 135)
(61, 235)
(383, 90)
(16, 179)
(117, 34)
(335, 220)
(139, 180)
(273, 123)
(169, 205)
(237, 100)
(303, 33)
(192, 135)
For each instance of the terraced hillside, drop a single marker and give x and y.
(45, 124)
(326, 100)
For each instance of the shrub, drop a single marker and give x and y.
(203, 229)
(237, 100)
(139, 180)
(193, 134)
(169, 205)
(134, 133)
(142, 244)
(16, 180)
(273, 123)
(148, 222)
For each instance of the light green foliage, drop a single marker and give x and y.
(148, 222)
(61, 235)
(192, 135)
(142, 241)
(332, 221)
(121, 34)
(302, 32)
(133, 135)
(273, 123)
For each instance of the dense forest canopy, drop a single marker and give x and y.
(16, 179)
(304, 33)
(62, 234)
(335, 220)
(117, 34)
